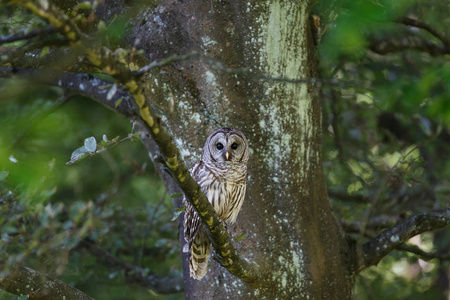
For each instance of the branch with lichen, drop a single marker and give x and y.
(374, 250)
(39, 286)
(225, 253)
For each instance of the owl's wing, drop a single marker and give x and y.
(192, 222)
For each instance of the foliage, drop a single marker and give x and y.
(386, 138)
(387, 129)
(49, 208)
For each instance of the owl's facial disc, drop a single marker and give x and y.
(227, 147)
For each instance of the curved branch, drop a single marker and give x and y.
(393, 45)
(418, 24)
(374, 250)
(26, 281)
(102, 91)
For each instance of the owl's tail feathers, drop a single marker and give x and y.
(199, 255)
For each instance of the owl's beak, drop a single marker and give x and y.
(227, 155)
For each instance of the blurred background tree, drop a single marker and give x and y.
(388, 136)
(97, 223)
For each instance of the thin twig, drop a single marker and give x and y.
(14, 37)
(239, 71)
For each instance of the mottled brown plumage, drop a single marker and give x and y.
(222, 174)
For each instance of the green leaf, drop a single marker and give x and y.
(44, 51)
(178, 212)
(80, 151)
(176, 195)
(241, 237)
(84, 5)
(90, 144)
(354, 187)
(77, 155)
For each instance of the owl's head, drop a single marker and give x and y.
(226, 145)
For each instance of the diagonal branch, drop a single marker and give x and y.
(26, 281)
(225, 253)
(375, 249)
(136, 274)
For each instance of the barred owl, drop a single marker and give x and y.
(221, 174)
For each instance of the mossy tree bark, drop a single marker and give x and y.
(292, 233)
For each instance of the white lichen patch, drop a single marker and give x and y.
(394, 238)
(196, 117)
(284, 279)
(207, 43)
(212, 82)
(156, 17)
(185, 152)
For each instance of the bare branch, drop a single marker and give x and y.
(374, 250)
(379, 222)
(410, 41)
(416, 250)
(416, 23)
(103, 91)
(344, 196)
(136, 274)
(393, 45)
(170, 59)
(5, 39)
(26, 281)
(241, 71)
(384, 222)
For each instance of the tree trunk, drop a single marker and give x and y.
(292, 233)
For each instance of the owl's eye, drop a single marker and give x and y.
(234, 146)
(219, 146)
